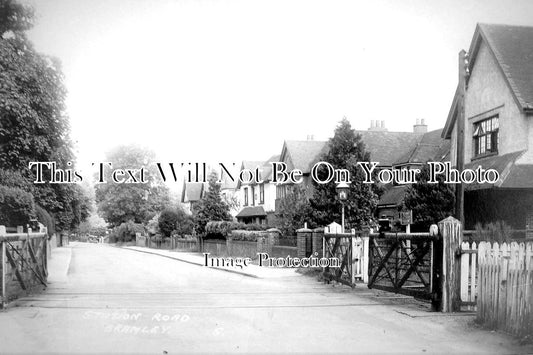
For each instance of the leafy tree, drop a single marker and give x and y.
(118, 203)
(294, 211)
(168, 221)
(16, 206)
(33, 124)
(345, 149)
(430, 203)
(212, 207)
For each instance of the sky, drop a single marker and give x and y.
(231, 80)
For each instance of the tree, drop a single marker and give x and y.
(212, 207)
(430, 203)
(294, 211)
(168, 221)
(345, 149)
(33, 123)
(118, 203)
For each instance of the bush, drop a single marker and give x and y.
(247, 236)
(16, 206)
(168, 221)
(498, 231)
(126, 231)
(45, 218)
(222, 228)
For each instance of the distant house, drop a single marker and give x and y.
(402, 150)
(302, 155)
(498, 124)
(257, 200)
(192, 193)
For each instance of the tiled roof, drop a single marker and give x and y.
(303, 154)
(513, 48)
(192, 191)
(252, 211)
(512, 175)
(393, 196)
(431, 147)
(388, 147)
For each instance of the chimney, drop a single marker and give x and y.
(377, 125)
(420, 126)
(310, 137)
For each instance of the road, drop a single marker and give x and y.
(114, 300)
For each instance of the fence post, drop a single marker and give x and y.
(317, 239)
(452, 237)
(366, 260)
(3, 271)
(303, 242)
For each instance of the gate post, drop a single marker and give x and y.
(318, 236)
(452, 237)
(303, 242)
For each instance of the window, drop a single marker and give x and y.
(261, 194)
(253, 195)
(485, 137)
(281, 191)
(245, 191)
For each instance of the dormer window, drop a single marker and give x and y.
(486, 137)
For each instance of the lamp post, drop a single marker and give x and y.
(342, 191)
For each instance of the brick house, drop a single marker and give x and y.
(498, 125)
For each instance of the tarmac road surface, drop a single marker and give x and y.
(104, 299)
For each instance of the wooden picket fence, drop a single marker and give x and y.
(505, 287)
(469, 274)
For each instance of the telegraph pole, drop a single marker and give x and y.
(460, 156)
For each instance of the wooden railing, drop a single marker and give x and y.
(23, 263)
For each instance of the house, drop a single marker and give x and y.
(257, 199)
(302, 155)
(498, 125)
(192, 193)
(402, 150)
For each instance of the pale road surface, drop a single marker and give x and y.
(114, 300)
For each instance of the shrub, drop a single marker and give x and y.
(498, 231)
(168, 221)
(45, 218)
(126, 231)
(16, 206)
(247, 236)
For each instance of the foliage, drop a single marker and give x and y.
(211, 207)
(294, 211)
(222, 228)
(126, 231)
(430, 203)
(44, 217)
(33, 124)
(16, 206)
(247, 236)
(168, 221)
(345, 150)
(498, 231)
(119, 202)
(152, 227)
(15, 17)
(185, 223)
(94, 225)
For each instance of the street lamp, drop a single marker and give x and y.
(342, 191)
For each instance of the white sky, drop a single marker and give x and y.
(231, 80)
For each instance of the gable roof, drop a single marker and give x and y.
(430, 147)
(264, 165)
(388, 147)
(512, 48)
(302, 154)
(192, 191)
